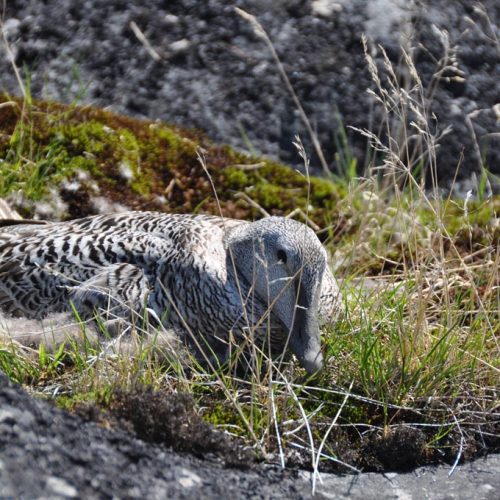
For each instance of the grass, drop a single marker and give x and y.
(414, 361)
(412, 367)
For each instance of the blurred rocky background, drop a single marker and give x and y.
(199, 64)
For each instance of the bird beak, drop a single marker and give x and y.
(305, 338)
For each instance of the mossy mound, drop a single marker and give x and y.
(86, 152)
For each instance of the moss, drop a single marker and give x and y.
(147, 165)
(236, 179)
(72, 402)
(457, 214)
(144, 164)
(220, 414)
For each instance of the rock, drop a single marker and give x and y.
(225, 82)
(48, 453)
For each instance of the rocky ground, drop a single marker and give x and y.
(47, 453)
(199, 64)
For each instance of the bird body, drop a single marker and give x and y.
(201, 275)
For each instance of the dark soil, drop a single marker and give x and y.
(173, 420)
(402, 446)
(213, 73)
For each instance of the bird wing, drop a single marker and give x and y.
(40, 262)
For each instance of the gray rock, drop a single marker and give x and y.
(479, 480)
(56, 455)
(225, 82)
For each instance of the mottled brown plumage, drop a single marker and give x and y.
(206, 277)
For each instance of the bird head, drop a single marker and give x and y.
(282, 262)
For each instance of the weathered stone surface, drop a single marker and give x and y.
(479, 480)
(200, 65)
(45, 452)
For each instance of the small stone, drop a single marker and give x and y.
(325, 8)
(126, 171)
(180, 45)
(11, 27)
(189, 479)
(7, 416)
(60, 487)
(171, 19)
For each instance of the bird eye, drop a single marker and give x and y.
(282, 256)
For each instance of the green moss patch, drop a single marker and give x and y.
(143, 165)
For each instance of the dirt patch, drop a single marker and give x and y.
(412, 439)
(400, 448)
(173, 420)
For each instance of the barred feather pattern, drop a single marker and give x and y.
(201, 275)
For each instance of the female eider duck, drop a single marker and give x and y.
(209, 278)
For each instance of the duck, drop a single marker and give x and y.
(213, 280)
